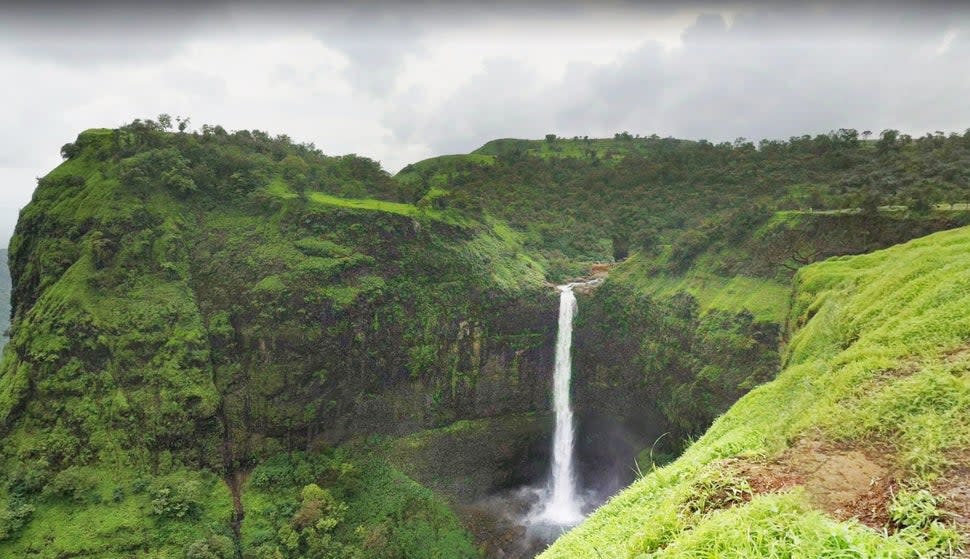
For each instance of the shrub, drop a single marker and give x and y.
(13, 519)
(73, 483)
(28, 479)
(70, 150)
(176, 500)
(319, 511)
(213, 547)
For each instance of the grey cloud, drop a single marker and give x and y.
(498, 102)
(773, 73)
(376, 48)
(84, 34)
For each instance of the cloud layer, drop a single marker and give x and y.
(400, 83)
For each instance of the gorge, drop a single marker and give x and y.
(215, 326)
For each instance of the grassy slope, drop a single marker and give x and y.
(438, 168)
(766, 299)
(751, 272)
(608, 149)
(872, 359)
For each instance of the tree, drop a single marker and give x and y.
(183, 123)
(887, 140)
(847, 137)
(165, 121)
(70, 150)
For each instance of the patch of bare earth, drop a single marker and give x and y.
(846, 482)
(961, 353)
(953, 488)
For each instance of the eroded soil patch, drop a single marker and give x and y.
(953, 488)
(846, 482)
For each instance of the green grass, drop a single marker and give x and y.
(875, 357)
(500, 250)
(766, 299)
(605, 149)
(279, 188)
(408, 210)
(398, 208)
(110, 517)
(437, 169)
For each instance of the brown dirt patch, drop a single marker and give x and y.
(959, 354)
(953, 488)
(846, 482)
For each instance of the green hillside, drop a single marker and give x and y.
(190, 310)
(225, 344)
(876, 385)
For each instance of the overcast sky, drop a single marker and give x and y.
(400, 83)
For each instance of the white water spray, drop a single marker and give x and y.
(562, 506)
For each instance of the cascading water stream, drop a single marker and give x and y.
(562, 506)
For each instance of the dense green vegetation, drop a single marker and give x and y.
(669, 355)
(691, 343)
(877, 359)
(188, 306)
(331, 507)
(588, 199)
(230, 345)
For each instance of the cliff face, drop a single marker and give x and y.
(177, 313)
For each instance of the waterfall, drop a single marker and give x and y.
(562, 506)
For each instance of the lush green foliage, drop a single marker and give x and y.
(201, 302)
(590, 200)
(669, 355)
(108, 513)
(691, 341)
(192, 307)
(320, 506)
(878, 355)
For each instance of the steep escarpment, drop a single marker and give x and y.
(707, 238)
(187, 307)
(875, 383)
(226, 344)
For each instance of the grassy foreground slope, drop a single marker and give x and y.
(876, 380)
(690, 327)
